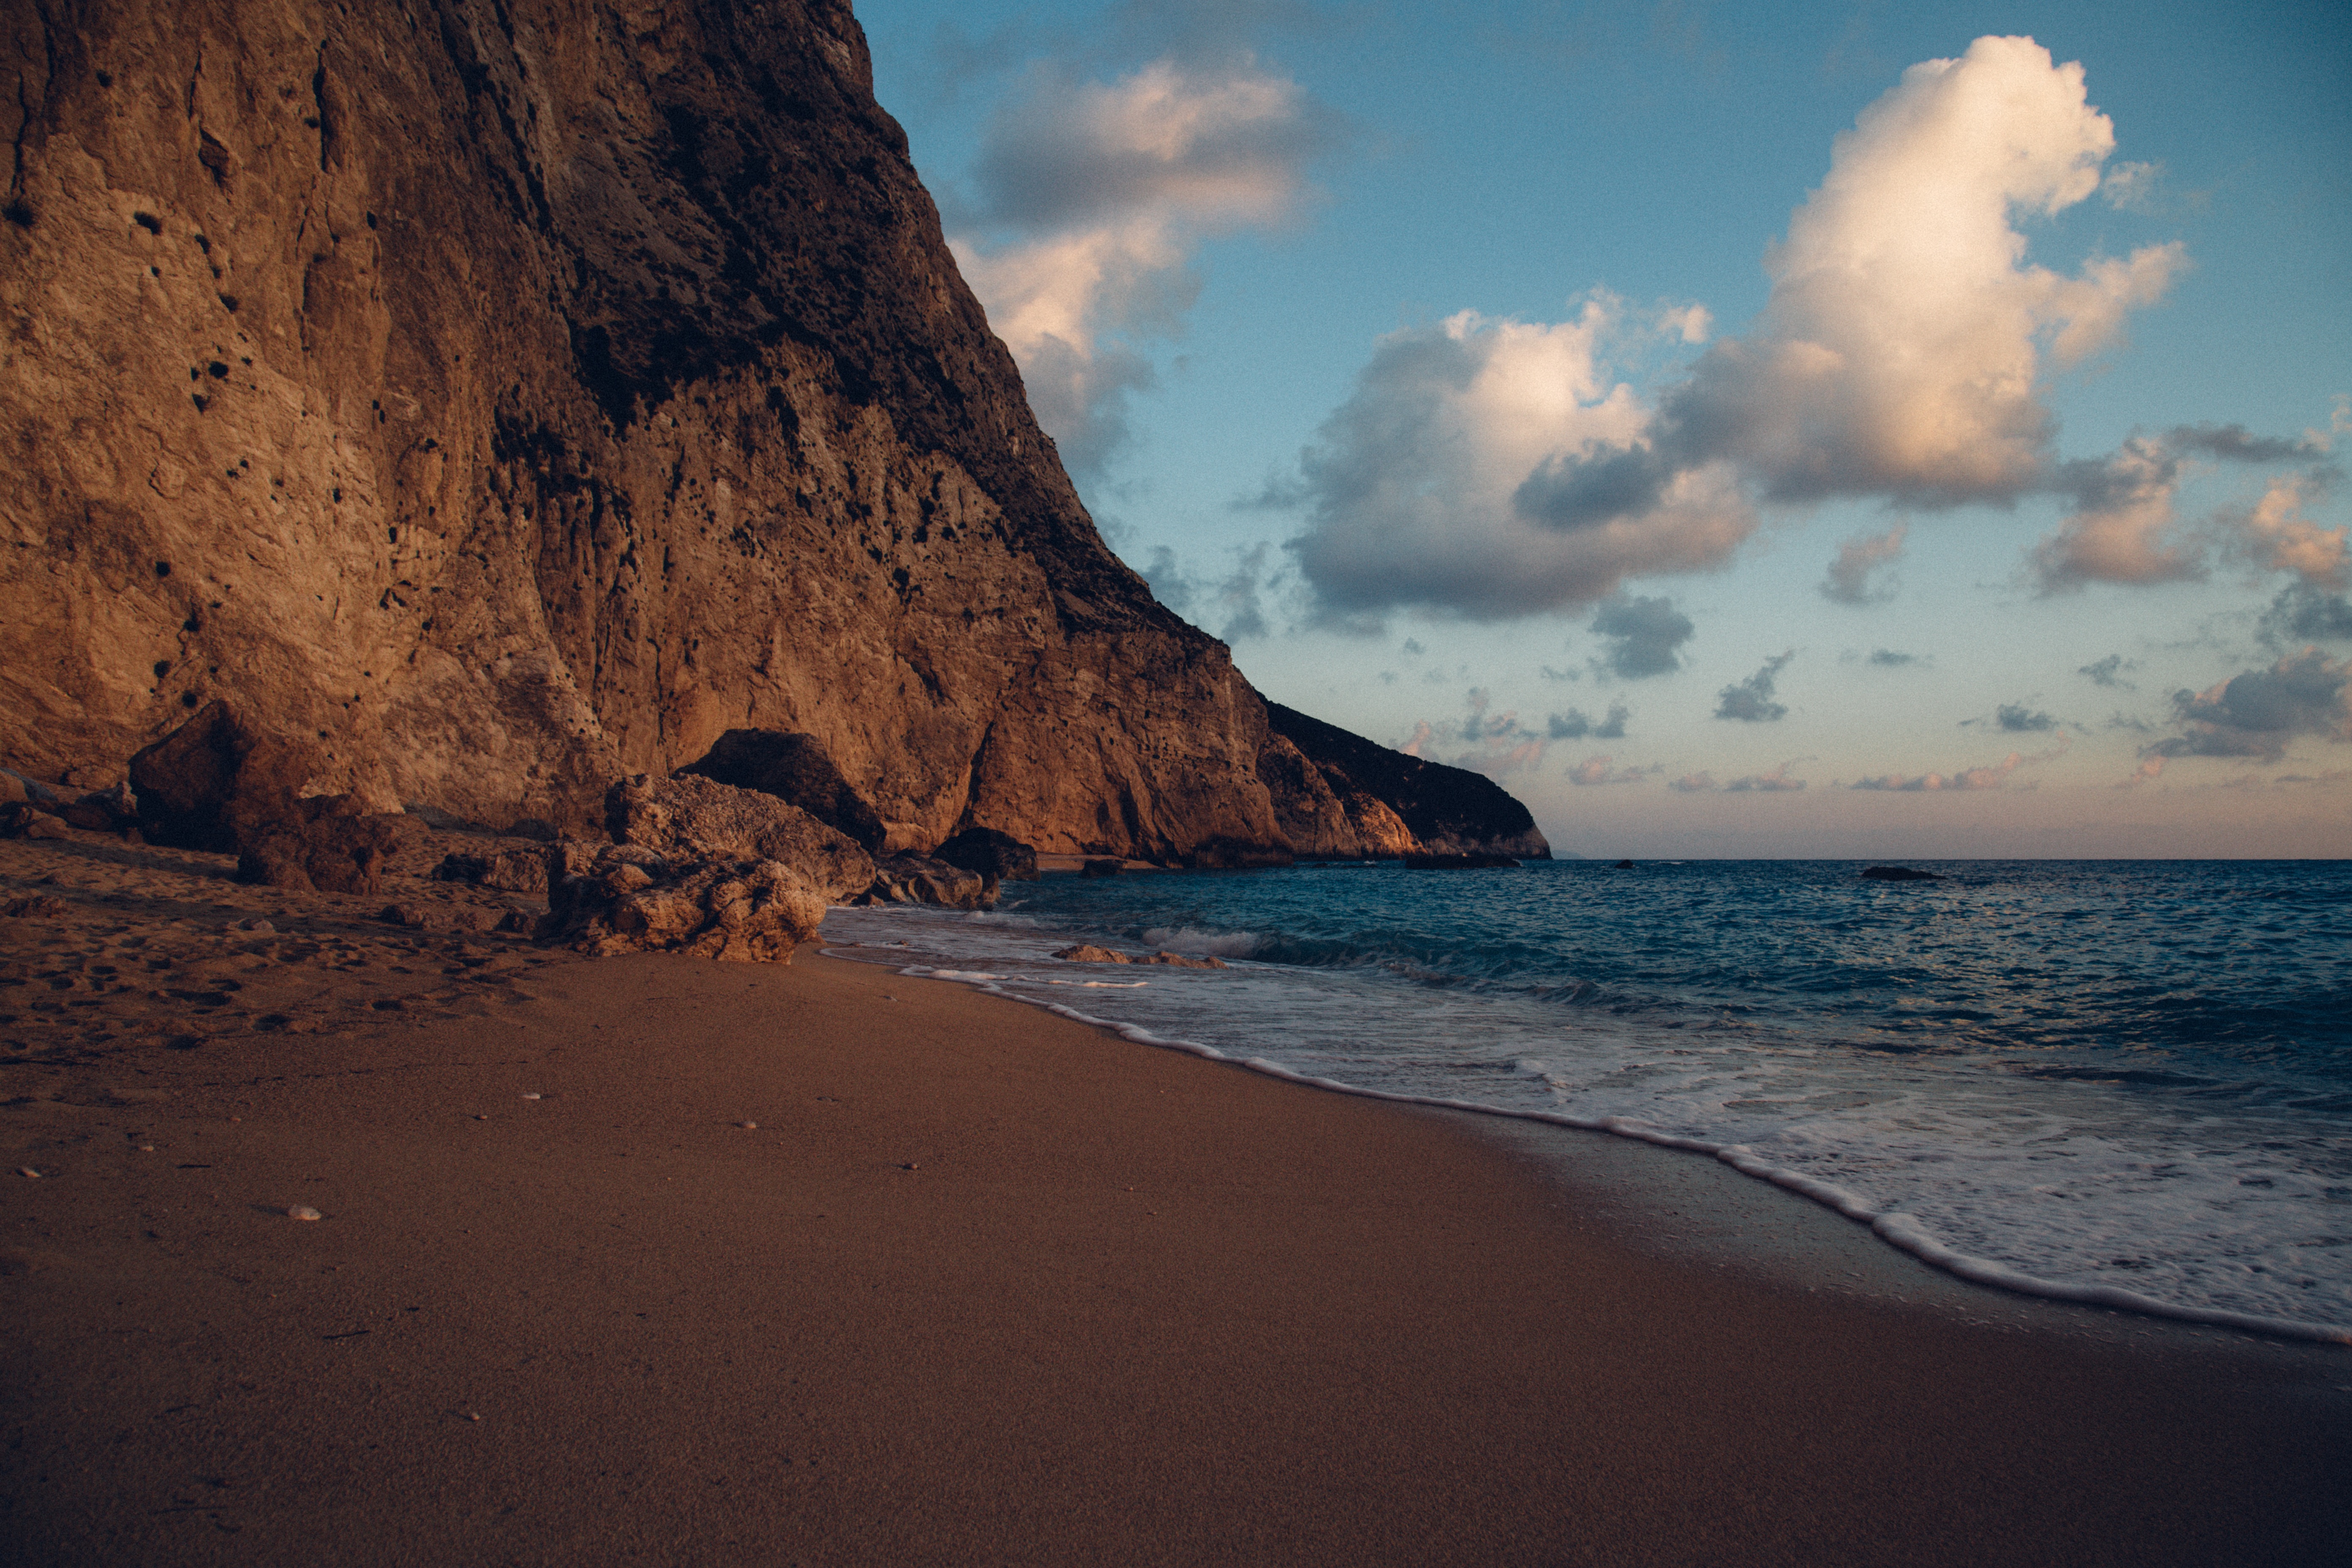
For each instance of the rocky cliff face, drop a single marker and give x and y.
(1400, 805)
(513, 395)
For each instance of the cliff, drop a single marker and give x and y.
(1445, 810)
(516, 395)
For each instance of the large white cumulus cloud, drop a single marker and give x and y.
(1091, 198)
(1494, 467)
(1412, 482)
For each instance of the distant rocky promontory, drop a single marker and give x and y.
(484, 406)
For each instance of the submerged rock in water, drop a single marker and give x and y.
(1458, 862)
(920, 879)
(1898, 874)
(1088, 952)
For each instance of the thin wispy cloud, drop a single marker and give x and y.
(1862, 573)
(1089, 198)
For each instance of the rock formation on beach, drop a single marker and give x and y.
(489, 401)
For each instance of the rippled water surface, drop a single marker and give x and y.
(2092, 1076)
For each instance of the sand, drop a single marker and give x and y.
(975, 1285)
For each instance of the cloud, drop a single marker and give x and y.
(2258, 713)
(1991, 775)
(1849, 582)
(1089, 198)
(1750, 700)
(1416, 489)
(1412, 646)
(2149, 770)
(1646, 632)
(2302, 614)
(2105, 671)
(2124, 528)
(2274, 535)
(1777, 782)
(2131, 186)
(2017, 718)
(1492, 743)
(1234, 603)
(1602, 771)
(1575, 725)
(1887, 658)
(1498, 468)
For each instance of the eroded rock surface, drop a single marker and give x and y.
(692, 819)
(1439, 810)
(521, 401)
(749, 912)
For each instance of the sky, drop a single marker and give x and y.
(1838, 430)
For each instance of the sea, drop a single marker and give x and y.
(2121, 1082)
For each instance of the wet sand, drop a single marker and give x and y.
(981, 1285)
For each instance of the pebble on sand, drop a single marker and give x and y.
(303, 1211)
(533, 1094)
(28, 1171)
(747, 1126)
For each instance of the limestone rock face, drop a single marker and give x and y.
(997, 855)
(1441, 810)
(696, 819)
(506, 398)
(794, 769)
(1305, 810)
(746, 911)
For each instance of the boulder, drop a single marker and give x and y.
(795, 769)
(745, 911)
(919, 880)
(1088, 952)
(695, 819)
(1101, 869)
(999, 857)
(325, 846)
(507, 870)
(224, 782)
(26, 821)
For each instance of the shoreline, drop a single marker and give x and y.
(983, 1284)
(1566, 1149)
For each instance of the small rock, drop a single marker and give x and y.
(907, 1166)
(303, 1211)
(1100, 869)
(1088, 952)
(533, 1094)
(408, 915)
(27, 1172)
(749, 1126)
(1177, 961)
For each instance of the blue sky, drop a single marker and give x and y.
(1737, 433)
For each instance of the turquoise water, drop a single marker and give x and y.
(2121, 1081)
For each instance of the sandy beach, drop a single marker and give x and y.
(654, 1261)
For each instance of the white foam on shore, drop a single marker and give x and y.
(1898, 1228)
